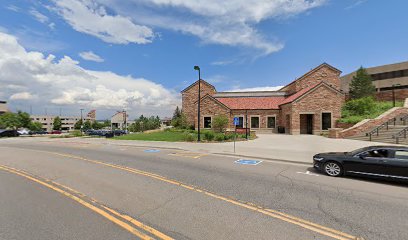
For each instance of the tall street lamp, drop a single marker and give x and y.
(197, 68)
(393, 93)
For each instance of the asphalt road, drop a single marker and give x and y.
(68, 190)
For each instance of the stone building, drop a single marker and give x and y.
(309, 105)
(121, 121)
(3, 107)
(67, 122)
(386, 78)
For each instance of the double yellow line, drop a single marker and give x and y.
(126, 222)
(326, 231)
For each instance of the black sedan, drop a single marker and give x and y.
(375, 161)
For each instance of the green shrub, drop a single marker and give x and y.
(75, 133)
(219, 137)
(189, 137)
(220, 123)
(361, 106)
(209, 135)
(352, 119)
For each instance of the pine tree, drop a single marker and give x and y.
(361, 85)
(57, 123)
(177, 113)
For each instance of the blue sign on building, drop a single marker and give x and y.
(151, 150)
(248, 162)
(236, 121)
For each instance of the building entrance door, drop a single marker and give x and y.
(306, 123)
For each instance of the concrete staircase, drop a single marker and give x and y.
(386, 135)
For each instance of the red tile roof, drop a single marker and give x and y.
(298, 94)
(243, 103)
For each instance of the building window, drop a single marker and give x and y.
(254, 122)
(207, 122)
(240, 122)
(326, 121)
(271, 122)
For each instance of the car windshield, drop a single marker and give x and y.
(357, 151)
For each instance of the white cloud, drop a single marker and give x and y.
(255, 89)
(90, 56)
(64, 82)
(87, 16)
(39, 16)
(355, 4)
(227, 22)
(13, 8)
(22, 96)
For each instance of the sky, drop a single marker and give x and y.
(64, 55)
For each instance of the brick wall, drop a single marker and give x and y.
(286, 117)
(262, 113)
(324, 73)
(400, 95)
(320, 100)
(210, 107)
(189, 98)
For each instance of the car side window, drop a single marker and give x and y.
(378, 153)
(403, 155)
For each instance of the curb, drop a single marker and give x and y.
(265, 159)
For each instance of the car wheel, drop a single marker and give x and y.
(333, 169)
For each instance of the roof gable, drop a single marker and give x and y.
(196, 82)
(306, 91)
(213, 99)
(311, 72)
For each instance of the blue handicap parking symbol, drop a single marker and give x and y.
(236, 121)
(248, 162)
(151, 150)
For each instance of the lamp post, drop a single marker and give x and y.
(197, 68)
(393, 93)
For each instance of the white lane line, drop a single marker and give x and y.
(308, 173)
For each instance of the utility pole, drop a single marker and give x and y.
(124, 117)
(82, 121)
(197, 68)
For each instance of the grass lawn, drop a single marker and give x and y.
(167, 136)
(176, 135)
(378, 109)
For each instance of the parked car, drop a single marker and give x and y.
(24, 132)
(38, 132)
(56, 132)
(374, 161)
(8, 133)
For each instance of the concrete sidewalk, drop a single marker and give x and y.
(287, 148)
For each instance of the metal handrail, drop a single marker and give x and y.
(377, 129)
(402, 133)
(404, 119)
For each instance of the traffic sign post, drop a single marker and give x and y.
(236, 123)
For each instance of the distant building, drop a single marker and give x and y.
(68, 122)
(3, 107)
(120, 120)
(166, 121)
(385, 78)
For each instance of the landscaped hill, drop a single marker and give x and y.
(365, 108)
